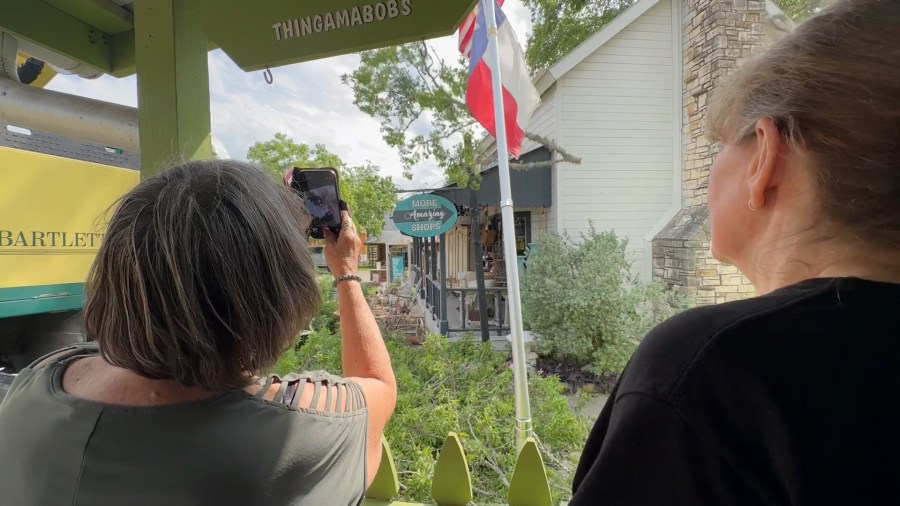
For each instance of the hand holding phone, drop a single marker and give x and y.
(320, 191)
(342, 250)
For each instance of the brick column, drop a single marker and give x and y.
(717, 35)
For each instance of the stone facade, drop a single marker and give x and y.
(717, 34)
(681, 257)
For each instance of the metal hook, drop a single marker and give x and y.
(267, 74)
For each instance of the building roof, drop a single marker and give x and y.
(544, 79)
(390, 236)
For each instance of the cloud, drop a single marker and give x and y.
(307, 101)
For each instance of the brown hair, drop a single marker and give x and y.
(204, 276)
(833, 89)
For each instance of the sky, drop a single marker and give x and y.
(306, 101)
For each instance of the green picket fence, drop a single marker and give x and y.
(452, 483)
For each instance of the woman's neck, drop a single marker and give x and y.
(781, 266)
(96, 380)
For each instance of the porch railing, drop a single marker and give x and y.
(429, 291)
(451, 484)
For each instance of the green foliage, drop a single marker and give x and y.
(310, 348)
(326, 320)
(799, 10)
(370, 290)
(559, 26)
(283, 152)
(586, 307)
(467, 388)
(418, 98)
(369, 194)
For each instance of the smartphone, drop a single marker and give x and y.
(319, 189)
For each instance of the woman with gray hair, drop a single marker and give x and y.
(785, 398)
(203, 280)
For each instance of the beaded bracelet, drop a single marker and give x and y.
(348, 277)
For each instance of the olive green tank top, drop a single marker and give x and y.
(233, 448)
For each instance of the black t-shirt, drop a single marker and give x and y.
(789, 398)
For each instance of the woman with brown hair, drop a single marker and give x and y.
(203, 280)
(785, 398)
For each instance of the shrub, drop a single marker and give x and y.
(585, 307)
(464, 387)
(325, 318)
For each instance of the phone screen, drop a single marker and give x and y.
(319, 188)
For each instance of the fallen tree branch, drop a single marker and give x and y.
(492, 462)
(564, 155)
(553, 146)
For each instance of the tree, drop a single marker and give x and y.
(369, 194)
(417, 97)
(558, 26)
(799, 10)
(282, 152)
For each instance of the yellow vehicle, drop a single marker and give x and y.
(55, 193)
(54, 197)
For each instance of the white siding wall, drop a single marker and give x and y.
(543, 122)
(618, 112)
(552, 215)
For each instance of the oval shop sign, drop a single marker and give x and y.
(424, 216)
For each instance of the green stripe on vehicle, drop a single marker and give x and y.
(27, 300)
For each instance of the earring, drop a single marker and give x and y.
(750, 205)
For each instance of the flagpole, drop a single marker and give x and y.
(524, 428)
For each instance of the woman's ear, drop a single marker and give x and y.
(765, 163)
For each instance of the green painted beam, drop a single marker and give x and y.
(173, 83)
(26, 300)
(104, 14)
(49, 27)
(123, 54)
(256, 35)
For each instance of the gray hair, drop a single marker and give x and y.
(204, 276)
(833, 89)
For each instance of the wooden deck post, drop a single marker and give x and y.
(443, 326)
(173, 83)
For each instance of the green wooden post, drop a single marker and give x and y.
(385, 486)
(452, 484)
(173, 83)
(529, 485)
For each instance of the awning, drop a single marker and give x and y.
(530, 187)
(389, 236)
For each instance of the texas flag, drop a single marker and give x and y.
(520, 98)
